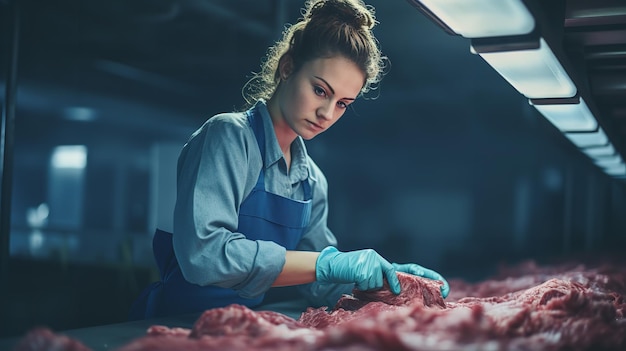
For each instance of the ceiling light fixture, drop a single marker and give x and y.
(468, 18)
(507, 36)
(616, 171)
(588, 139)
(568, 115)
(608, 162)
(599, 151)
(533, 71)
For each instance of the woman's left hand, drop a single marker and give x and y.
(415, 269)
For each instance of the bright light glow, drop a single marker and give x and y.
(535, 73)
(80, 114)
(594, 152)
(69, 156)
(35, 240)
(608, 162)
(619, 170)
(597, 138)
(569, 117)
(37, 217)
(483, 18)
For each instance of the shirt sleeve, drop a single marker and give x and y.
(316, 237)
(217, 168)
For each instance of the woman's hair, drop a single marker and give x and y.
(327, 28)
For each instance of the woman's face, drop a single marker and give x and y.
(314, 97)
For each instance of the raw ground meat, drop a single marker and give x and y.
(161, 330)
(40, 339)
(528, 307)
(415, 290)
(239, 320)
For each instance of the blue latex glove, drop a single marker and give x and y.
(420, 271)
(365, 268)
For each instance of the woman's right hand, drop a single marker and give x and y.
(365, 268)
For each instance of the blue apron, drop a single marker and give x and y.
(262, 216)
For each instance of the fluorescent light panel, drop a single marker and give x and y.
(69, 156)
(608, 162)
(535, 73)
(569, 117)
(599, 151)
(583, 140)
(483, 18)
(619, 170)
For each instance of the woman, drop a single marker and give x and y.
(251, 209)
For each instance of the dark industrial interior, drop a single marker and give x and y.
(445, 164)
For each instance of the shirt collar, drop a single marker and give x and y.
(273, 153)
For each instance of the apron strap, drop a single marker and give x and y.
(163, 252)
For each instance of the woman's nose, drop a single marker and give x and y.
(325, 111)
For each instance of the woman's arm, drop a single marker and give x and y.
(299, 268)
(216, 170)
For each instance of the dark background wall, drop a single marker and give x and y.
(448, 167)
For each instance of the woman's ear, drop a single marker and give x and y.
(285, 66)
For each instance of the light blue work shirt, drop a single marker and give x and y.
(217, 169)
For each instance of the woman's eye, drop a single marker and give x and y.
(342, 104)
(319, 91)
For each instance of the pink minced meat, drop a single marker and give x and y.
(566, 307)
(239, 320)
(42, 338)
(416, 291)
(161, 330)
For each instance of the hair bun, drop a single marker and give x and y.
(352, 12)
(327, 28)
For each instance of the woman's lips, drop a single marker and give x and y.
(315, 125)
